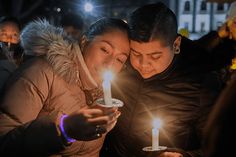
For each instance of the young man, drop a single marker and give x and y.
(168, 77)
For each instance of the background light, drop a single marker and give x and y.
(88, 7)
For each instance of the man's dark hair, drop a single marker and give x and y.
(152, 22)
(12, 19)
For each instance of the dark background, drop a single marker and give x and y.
(54, 10)
(26, 10)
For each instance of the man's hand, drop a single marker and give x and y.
(170, 154)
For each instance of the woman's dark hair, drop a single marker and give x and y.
(151, 22)
(105, 25)
(12, 19)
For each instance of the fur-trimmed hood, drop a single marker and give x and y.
(39, 38)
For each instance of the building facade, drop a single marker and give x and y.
(200, 16)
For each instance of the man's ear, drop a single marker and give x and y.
(177, 41)
(176, 45)
(83, 42)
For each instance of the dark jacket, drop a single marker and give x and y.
(181, 96)
(219, 132)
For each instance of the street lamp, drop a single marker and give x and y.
(88, 7)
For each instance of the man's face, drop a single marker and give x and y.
(150, 58)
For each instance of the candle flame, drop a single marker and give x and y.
(157, 123)
(107, 76)
(106, 85)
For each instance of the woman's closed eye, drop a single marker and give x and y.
(121, 59)
(105, 50)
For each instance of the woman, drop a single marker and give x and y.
(10, 38)
(10, 51)
(46, 109)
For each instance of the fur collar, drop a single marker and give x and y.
(63, 54)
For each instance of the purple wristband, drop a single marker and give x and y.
(63, 131)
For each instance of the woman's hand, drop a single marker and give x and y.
(227, 30)
(223, 31)
(231, 24)
(109, 111)
(90, 123)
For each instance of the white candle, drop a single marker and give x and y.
(155, 134)
(107, 88)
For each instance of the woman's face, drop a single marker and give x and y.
(107, 51)
(9, 32)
